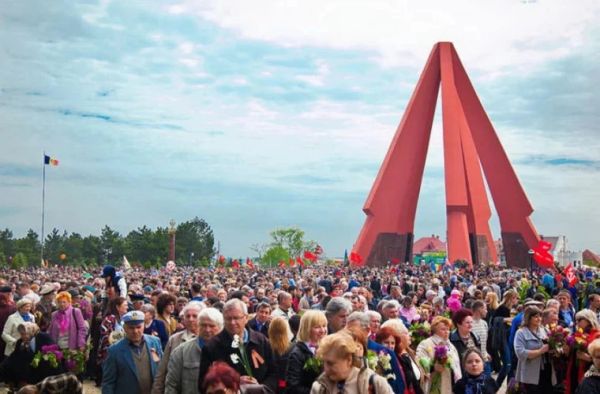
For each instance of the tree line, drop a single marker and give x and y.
(194, 245)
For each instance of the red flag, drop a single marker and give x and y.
(395, 260)
(300, 261)
(570, 274)
(292, 262)
(235, 264)
(356, 259)
(542, 256)
(310, 256)
(281, 264)
(249, 263)
(221, 259)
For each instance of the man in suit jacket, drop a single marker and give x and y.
(260, 322)
(132, 362)
(227, 347)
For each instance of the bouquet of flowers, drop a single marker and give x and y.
(50, 353)
(74, 360)
(440, 356)
(235, 358)
(557, 339)
(380, 363)
(418, 333)
(578, 340)
(314, 365)
(514, 387)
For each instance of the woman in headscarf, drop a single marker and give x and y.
(18, 369)
(579, 359)
(10, 334)
(67, 328)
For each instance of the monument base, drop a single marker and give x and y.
(389, 246)
(516, 251)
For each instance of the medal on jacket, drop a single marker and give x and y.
(155, 356)
(257, 359)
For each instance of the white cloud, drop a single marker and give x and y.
(490, 36)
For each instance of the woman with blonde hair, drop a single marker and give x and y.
(340, 375)
(440, 337)
(279, 339)
(67, 328)
(491, 300)
(313, 327)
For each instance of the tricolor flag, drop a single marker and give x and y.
(50, 160)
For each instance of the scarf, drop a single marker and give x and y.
(592, 372)
(26, 317)
(475, 384)
(64, 319)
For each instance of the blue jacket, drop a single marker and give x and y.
(397, 384)
(119, 374)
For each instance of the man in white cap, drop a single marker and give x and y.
(132, 362)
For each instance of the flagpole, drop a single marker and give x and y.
(43, 205)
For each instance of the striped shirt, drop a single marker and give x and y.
(480, 328)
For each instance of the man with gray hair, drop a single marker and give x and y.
(390, 310)
(190, 321)
(361, 322)
(337, 310)
(235, 339)
(184, 364)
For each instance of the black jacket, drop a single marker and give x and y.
(299, 380)
(589, 385)
(219, 349)
(17, 367)
(253, 325)
(487, 386)
(461, 347)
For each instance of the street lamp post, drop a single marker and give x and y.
(530, 252)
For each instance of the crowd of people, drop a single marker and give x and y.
(400, 329)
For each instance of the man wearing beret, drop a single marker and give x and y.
(132, 362)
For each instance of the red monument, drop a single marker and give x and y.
(470, 144)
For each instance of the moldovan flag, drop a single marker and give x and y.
(50, 160)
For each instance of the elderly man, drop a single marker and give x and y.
(46, 306)
(337, 310)
(390, 310)
(235, 339)
(362, 322)
(184, 364)
(284, 307)
(191, 323)
(132, 362)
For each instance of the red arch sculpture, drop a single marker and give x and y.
(470, 144)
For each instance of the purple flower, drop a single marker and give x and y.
(70, 364)
(570, 341)
(50, 348)
(58, 354)
(440, 352)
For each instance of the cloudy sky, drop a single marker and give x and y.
(261, 114)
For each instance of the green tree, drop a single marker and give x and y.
(145, 245)
(92, 250)
(194, 241)
(274, 255)
(29, 246)
(54, 245)
(73, 248)
(6, 242)
(20, 261)
(111, 244)
(292, 240)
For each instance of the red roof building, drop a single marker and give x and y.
(429, 244)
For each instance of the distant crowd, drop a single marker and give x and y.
(317, 329)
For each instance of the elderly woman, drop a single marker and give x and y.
(440, 330)
(67, 328)
(340, 375)
(153, 326)
(165, 306)
(591, 381)
(534, 368)
(313, 327)
(221, 379)
(463, 337)
(580, 360)
(17, 368)
(10, 334)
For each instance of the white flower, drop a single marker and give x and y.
(390, 376)
(236, 341)
(235, 358)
